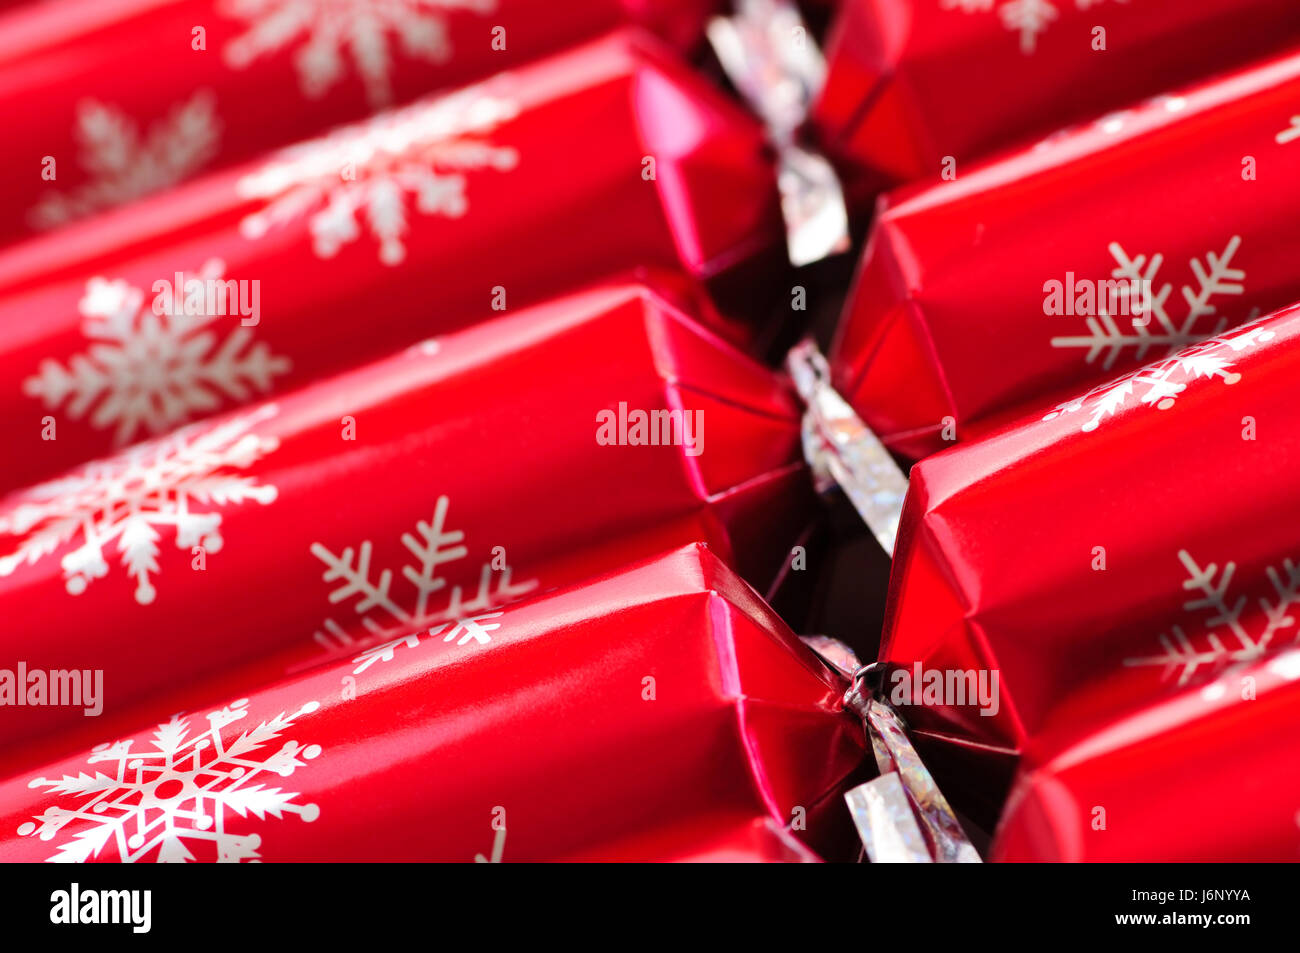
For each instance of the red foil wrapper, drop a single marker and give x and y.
(1136, 539)
(1207, 775)
(1025, 277)
(912, 83)
(466, 472)
(81, 79)
(244, 284)
(661, 712)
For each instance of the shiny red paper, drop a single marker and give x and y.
(913, 83)
(661, 712)
(1015, 281)
(1208, 775)
(127, 97)
(1132, 541)
(247, 283)
(468, 471)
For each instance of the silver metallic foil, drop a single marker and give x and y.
(901, 816)
(883, 816)
(773, 61)
(843, 451)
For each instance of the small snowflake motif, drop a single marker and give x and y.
(127, 498)
(164, 804)
(330, 29)
(1026, 18)
(475, 629)
(385, 618)
(365, 172)
(1160, 384)
(151, 367)
(1216, 277)
(1227, 637)
(124, 165)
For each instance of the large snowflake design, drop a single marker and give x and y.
(366, 172)
(1026, 18)
(1214, 277)
(1160, 384)
(384, 617)
(127, 498)
(329, 29)
(151, 369)
(158, 804)
(1228, 635)
(124, 164)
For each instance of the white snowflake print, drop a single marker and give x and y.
(330, 29)
(475, 629)
(157, 805)
(1160, 384)
(1026, 18)
(123, 164)
(1227, 636)
(153, 368)
(1216, 277)
(365, 172)
(127, 498)
(382, 615)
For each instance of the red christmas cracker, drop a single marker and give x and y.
(416, 222)
(466, 472)
(1064, 264)
(1137, 539)
(913, 85)
(81, 78)
(1209, 774)
(660, 712)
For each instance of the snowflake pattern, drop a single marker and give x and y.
(1026, 18)
(366, 172)
(159, 804)
(475, 629)
(1160, 384)
(153, 371)
(384, 622)
(124, 165)
(1227, 637)
(1105, 336)
(328, 29)
(126, 499)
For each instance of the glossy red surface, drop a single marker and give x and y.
(1208, 774)
(949, 316)
(660, 712)
(495, 428)
(96, 83)
(1124, 546)
(911, 82)
(357, 249)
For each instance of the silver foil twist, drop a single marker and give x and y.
(773, 61)
(901, 816)
(843, 451)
